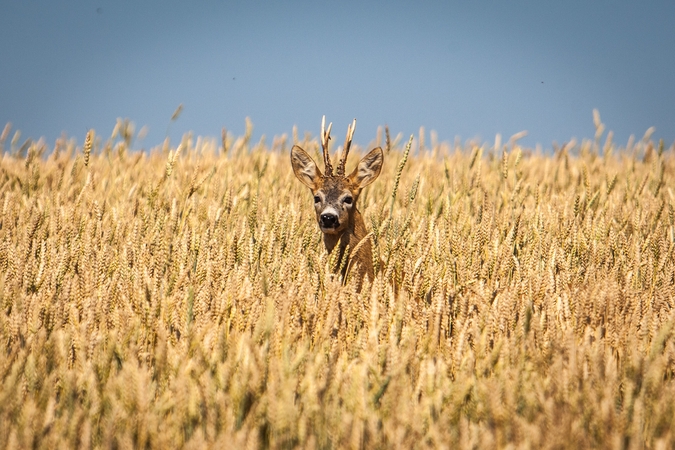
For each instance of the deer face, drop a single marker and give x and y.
(335, 196)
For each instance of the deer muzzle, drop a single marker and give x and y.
(329, 220)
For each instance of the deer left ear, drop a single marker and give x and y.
(368, 169)
(304, 167)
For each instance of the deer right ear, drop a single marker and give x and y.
(304, 167)
(368, 169)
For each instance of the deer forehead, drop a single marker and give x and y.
(334, 187)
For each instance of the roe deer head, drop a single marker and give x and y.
(335, 197)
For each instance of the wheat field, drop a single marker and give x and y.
(181, 297)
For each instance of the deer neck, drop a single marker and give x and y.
(355, 231)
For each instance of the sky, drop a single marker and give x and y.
(464, 69)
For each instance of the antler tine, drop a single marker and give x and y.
(345, 150)
(325, 137)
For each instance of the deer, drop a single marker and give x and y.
(335, 198)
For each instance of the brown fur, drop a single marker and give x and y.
(338, 195)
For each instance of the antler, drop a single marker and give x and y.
(345, 150)
(325, 137)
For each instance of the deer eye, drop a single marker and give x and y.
(348, 200)
(317, 199)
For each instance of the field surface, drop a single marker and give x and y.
(182, 298)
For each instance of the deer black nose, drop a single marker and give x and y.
(329, 220)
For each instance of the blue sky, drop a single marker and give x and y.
(467, 69)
